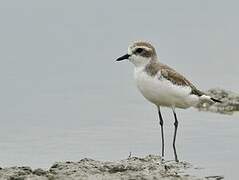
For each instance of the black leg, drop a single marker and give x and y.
(162, 134)
(175, 134)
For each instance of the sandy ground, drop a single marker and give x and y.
(151, 167)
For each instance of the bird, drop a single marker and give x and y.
(162, 85)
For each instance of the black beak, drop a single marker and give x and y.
(126, 56)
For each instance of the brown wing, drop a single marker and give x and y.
(176, 78)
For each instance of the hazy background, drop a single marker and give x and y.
(63, 96)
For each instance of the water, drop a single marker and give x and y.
(63, 97)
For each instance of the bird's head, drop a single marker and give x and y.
(140, 54)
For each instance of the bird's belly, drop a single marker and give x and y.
(164, 93)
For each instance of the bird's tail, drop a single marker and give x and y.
(209, 98)
(216, 100)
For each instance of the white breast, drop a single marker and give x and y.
(163, 92)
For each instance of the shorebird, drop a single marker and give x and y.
(162, 85)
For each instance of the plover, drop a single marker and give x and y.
(162, 85)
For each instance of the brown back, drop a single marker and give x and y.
(171, 75)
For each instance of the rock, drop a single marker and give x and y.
(229, 105)
(18, 173)
(151, 167)
(39, 172)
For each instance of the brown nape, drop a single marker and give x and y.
(152, 68)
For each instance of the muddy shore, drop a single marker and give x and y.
(151, 167)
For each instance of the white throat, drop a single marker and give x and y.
(139, 61)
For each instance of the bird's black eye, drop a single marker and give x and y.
(139, 50)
